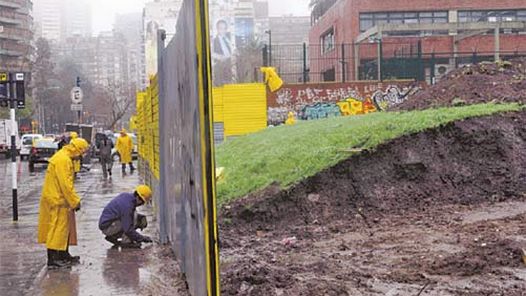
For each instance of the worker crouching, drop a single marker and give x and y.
(119, 221)
(58, 199)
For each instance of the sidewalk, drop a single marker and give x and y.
(103, 271)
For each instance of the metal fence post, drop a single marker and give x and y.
(163, 233)
(343, 62)
(380, 58)
(432, 69)
(474, 58)
(421, 69)
(265, 55)
(305, 73)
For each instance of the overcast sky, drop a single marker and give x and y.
(104, 11)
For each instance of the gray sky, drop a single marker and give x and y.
(104, 11)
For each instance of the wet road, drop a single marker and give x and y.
(103, 270)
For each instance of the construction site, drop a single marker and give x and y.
(383, 155)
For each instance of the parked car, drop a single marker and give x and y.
(42, 151)
(27, 144)
(115, 155)
(5, 137)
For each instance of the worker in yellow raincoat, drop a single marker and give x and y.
(58, 199)
(124, 147)
(291, 120)
(76, 162)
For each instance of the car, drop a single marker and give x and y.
(42, 151)
(27, 144)
(115, 154)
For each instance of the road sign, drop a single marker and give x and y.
(76, 95)
(3, 77)
(19, 76)
(76, 107)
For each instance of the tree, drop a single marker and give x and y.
(110, 104)
(248, 58)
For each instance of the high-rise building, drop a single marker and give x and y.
(15, 35)
(60, 19)
(48, 19)
(131, 28)
(77, 18)
(289, 29)
(159, 14)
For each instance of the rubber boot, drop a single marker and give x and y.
(65, 255)
(131, 167)
(124, 168)
(112, 239)
(109, 172)
(54, 261)
(129, 244)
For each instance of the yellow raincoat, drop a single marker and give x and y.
(291, 120)
(124, 146)
(58, 198)
(76, 162)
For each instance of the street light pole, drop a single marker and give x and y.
(79, 112)
(269, 32)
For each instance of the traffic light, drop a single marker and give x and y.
(20, 95)
(3, 94)
(3, 91)
(10, 82)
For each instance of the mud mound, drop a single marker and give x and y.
(472, 84)
(465, 163)
(479, 258)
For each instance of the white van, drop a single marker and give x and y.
(5, 137)
(27, 144)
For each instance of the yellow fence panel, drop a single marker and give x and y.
(244, 108)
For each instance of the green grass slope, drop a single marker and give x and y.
(287, 154)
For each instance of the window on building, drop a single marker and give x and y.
(369, 20)
(492, 16)
(329, 75)
(327, 41)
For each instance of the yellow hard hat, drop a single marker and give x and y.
(73, 135)
(144, 192)
(80, 144)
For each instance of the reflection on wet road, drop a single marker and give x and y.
(103, 270)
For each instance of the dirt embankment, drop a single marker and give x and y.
(472, 84)
(395, 220)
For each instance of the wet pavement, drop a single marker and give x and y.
(103, 271)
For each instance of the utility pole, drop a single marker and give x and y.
(14, 181)
(12, 92)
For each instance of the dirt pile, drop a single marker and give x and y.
(472, 84)
(383, 220)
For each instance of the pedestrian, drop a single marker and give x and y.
(106, 161)
(62, 142)
(119, 220)
(77, 162)
(58, 199)
(124, 147)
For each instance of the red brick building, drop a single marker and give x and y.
(450, 32)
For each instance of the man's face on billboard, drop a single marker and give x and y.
(222, 28)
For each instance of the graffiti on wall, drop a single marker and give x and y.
(321, 100)
(392, 96)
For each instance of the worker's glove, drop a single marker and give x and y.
(77, 208)
(146, 239)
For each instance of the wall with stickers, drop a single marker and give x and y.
(321, 100)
